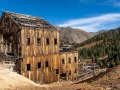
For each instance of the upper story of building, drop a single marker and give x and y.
(27, 35)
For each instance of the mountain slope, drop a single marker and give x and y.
(103, 48)
(70, 35)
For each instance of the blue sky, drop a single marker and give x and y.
(88, 15)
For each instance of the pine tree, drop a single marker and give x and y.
(96, 60)
(112, 63)
(117, 61)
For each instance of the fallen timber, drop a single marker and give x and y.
(87, 76)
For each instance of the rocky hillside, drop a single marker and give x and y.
(110, 79)
(70, 35)
(103, 48)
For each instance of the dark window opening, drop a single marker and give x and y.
(46, 64)
(28, 67)
(63, 61)
(47, 41)
(19, 53)
(39, 65)
(10, 53)
(28, 41)
(38, 41)
(57, 71)
(63, 76)
(69, 72)
(75, 59)
(69, 60)
(75, 71)
(55, 41)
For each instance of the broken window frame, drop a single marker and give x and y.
(75, 71)
(27, 41)
(63, 61)
(28, 67)
(55, 41)
(75, 59)
(46, 64)
(47, 41)
(57, 71)
(38, 41)
(38, 65)
(69, 73)
(69, 60)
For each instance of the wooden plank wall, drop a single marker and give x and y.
(44, 74)
(33, 48)
(48, 74)
(69, 67)
(33, 53)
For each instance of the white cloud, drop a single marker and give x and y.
(92, 24)
(89, 28)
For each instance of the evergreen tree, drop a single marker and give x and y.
(96, 60)
(117, 61)
(106, 44)
(112, 63)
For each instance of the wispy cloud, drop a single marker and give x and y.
(93, 24)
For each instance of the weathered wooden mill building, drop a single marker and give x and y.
(35, 45)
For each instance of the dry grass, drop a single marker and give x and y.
(89, 45)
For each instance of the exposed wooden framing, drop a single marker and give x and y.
(13, 20)
(25, 32)
(12, 26)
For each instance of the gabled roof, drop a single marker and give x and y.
(29, 21)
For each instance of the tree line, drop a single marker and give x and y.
(109, 48)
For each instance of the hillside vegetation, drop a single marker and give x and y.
(103, 48)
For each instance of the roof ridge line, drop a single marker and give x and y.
(23, 14)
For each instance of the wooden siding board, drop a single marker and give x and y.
(33, 53)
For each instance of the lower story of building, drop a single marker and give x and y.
(50, 68)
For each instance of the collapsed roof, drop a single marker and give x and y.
(67, 48)
(29, 21)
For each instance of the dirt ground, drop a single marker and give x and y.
(13, 81)
(106, 81)
(110, 80)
